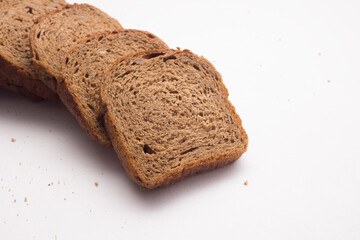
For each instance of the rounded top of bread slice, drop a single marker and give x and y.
(82, 71)
(54, 33)
(168, 116)
(16, 19)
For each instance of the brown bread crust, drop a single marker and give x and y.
(72, 105)
(8, 84)
(200, 166)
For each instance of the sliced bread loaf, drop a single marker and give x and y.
(82, 70)
(54, 33)
(168, 116)
(16, 19)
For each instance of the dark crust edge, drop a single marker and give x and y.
(70, 101)
(28, 85)
(17, 89)
(39, 65)
(200, 166)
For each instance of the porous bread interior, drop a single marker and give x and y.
(171, 111)
(84, 66)
(17, 18)
(57, 32)
(15, 26)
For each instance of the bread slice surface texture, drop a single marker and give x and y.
(168, 117)
(54, 33)
(16, 19)
(82, 74)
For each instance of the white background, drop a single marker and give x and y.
(292, 70)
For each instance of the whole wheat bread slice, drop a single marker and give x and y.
(54, 33)
(168, 116)
(82, 71)
(16, 19)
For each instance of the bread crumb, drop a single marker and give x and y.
(58, 181)
(13, 140)
(246, 182)
(178, 48)
(73, 192)
(64, 199)
(96, 184)
(14, 200)
(328, 81)
(19, 163)
(25, 200)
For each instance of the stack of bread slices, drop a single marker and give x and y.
(165, 112)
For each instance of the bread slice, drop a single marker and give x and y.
(54, 33)
(168, 116)
(16, 19)
(79, 87)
